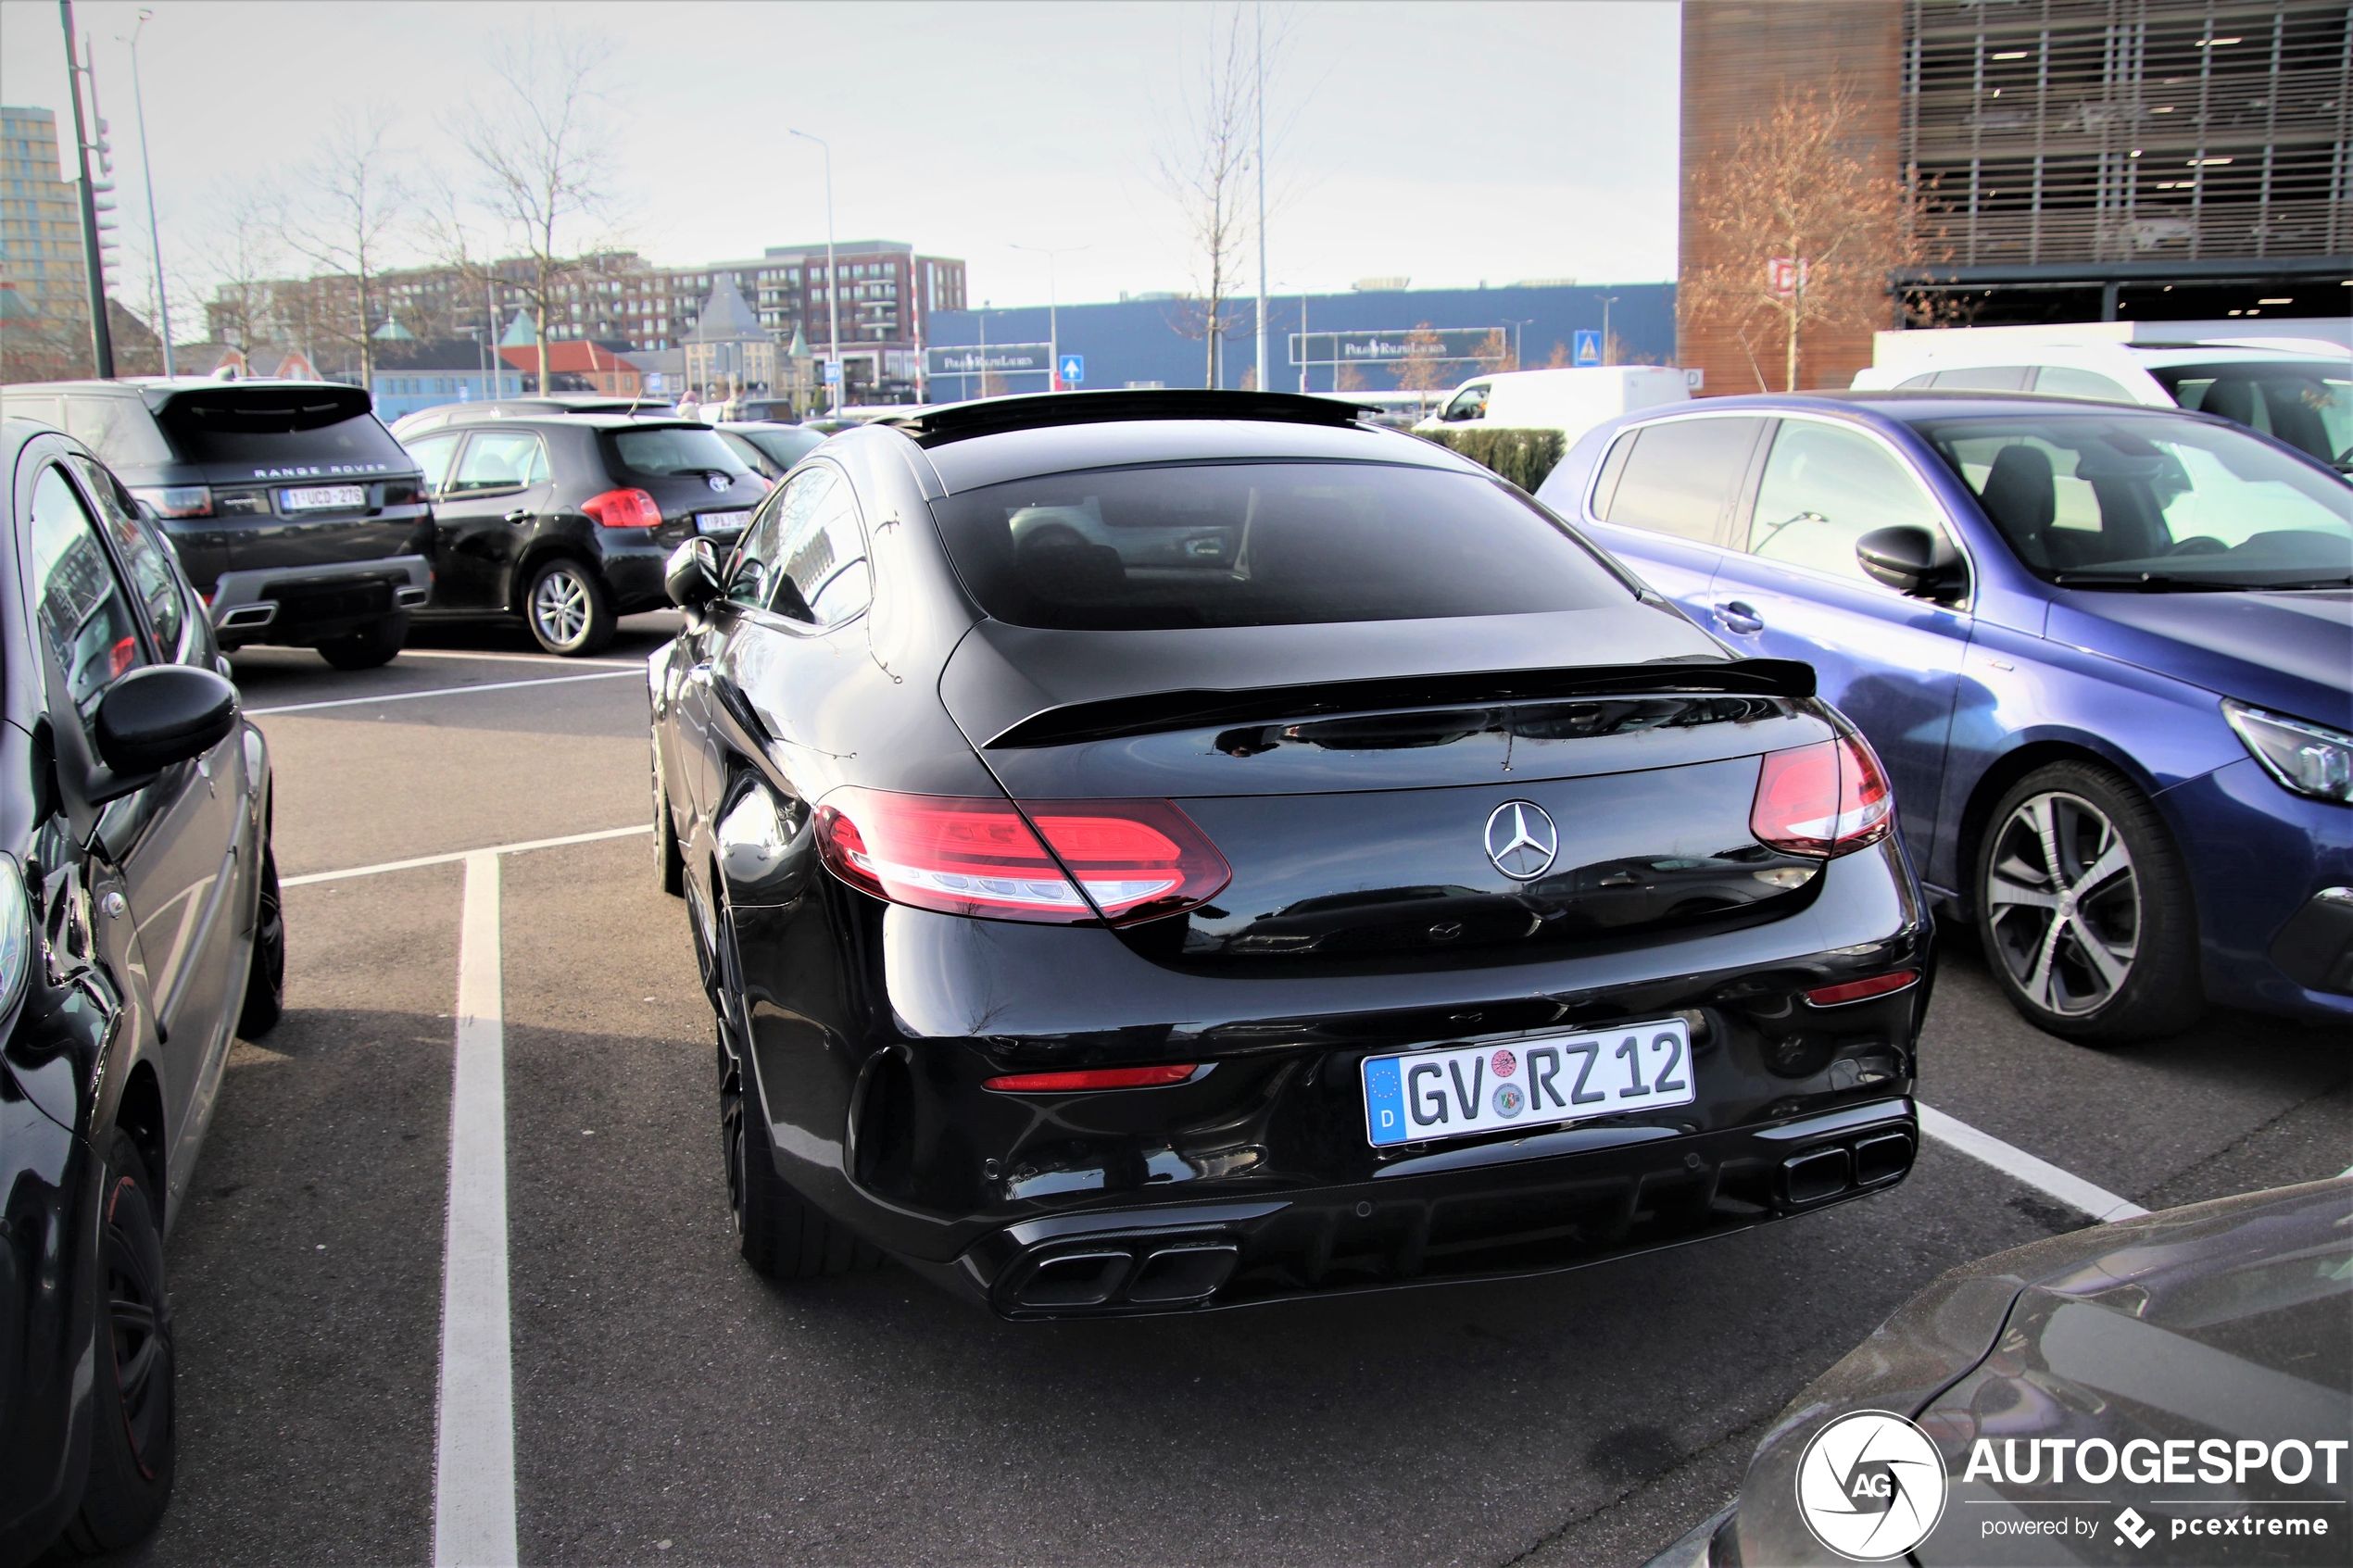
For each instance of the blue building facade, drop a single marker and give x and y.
(400, 391)
(1145, 341)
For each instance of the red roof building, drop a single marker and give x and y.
(577, 365)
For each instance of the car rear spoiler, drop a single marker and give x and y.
(1157, 712)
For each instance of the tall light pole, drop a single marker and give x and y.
(93, 256)
(1258, 100)
(1607, 300)
(833, 284)
(1053, 319)
(147, 176)
(1516, 324)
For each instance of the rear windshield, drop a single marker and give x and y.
(673, 449)
(214, 432)
(1263, 545)
(2152, 502)
(784, 447)
(2307, 406)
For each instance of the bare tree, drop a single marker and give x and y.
(241, 254)
(346, 205)
(1425, 367)
(542, 158)
(1495, 352)
(1202, 172)
(1805, 230)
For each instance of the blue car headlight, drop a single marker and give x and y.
(2305, 757)
(15, 934)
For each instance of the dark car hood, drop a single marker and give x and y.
(2291, 652)
(2219, 1320)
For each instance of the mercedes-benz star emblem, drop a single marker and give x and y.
(1521, 840)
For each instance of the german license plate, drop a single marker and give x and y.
(1540, 1082)
(323, 497)
(722, 522)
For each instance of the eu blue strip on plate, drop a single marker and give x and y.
(1384, 1102)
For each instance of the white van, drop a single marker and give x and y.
(2295, 389)
(1569, 401)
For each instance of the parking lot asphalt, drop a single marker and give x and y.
(670, 1406)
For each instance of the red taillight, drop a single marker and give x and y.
(622, 508)
(1133, 858)
(1829, 798)
(1098, 1078)
(1857, 990)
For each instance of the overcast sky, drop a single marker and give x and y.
(1447, 142)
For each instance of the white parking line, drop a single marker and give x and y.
(638, 670)
(547, 658)
(454, 855)
(2040, 1174)
(473, 1483)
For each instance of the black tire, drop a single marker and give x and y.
(2102, 948)
(370, 647)
(567, 610)
(670, 861)
(134, 1441)
(778, 1232)
(266, 980)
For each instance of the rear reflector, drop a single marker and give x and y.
(1133, 859)
(1098, 1078)
(1855, 990)
(1829, 798)
(624, 509)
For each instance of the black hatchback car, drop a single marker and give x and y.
(563, 520)
(138, 930)
(1157, 851)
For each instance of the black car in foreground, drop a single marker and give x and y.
(295, 512)
(139, 928)
(563, 520)
(2173, 1388)
(1160, 850)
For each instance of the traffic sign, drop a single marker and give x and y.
(1074, 369)
(833, 371)
(1588, 347)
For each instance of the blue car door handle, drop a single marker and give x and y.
(1739, 616)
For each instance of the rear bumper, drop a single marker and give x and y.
(632, 571)
(311, 604)
(872, 1028)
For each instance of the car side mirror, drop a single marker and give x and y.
(162, 714)
(1910, 559)
(692, 575)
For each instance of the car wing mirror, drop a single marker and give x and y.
(691, 575)
(1910, 559)
(162, 714)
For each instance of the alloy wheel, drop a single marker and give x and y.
(560, 608)
(2063, 903)
(136, 1334)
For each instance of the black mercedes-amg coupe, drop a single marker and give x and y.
(1157, 851)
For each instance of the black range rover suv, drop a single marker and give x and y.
(292, 510)
(564, 519)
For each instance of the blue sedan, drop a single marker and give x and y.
(2105, 653)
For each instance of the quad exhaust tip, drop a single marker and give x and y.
(1821, 1174)
(1159, 1274)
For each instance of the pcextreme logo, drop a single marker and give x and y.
(1870, 1486)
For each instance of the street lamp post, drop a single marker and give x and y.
(1607, 300)
(148, 175)
(1258, 102)
(1513, 322)
(1053, 318)
(833, 284)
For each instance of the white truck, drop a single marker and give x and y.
(1571, 401)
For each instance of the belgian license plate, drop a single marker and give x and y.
(1541, 1082)
(323, 497)
(722, 522)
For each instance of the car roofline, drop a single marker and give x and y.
(996, 416)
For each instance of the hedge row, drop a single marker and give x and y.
(1524, 457)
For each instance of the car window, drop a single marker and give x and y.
(754, 459)
(1824, 488)
(1984, 378)
(1263, 544)
(672, 449)
(2153, 500)
(83, 611)
(824, 568)
(2066, 381)
(287, 427)
(433, 454)
(500, 459)
(785, 448)
(118, 429)
(1925, 378)
(1678, 477)
(783, 518)
(1468, 403)
(2309, 407)
(142, 555)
